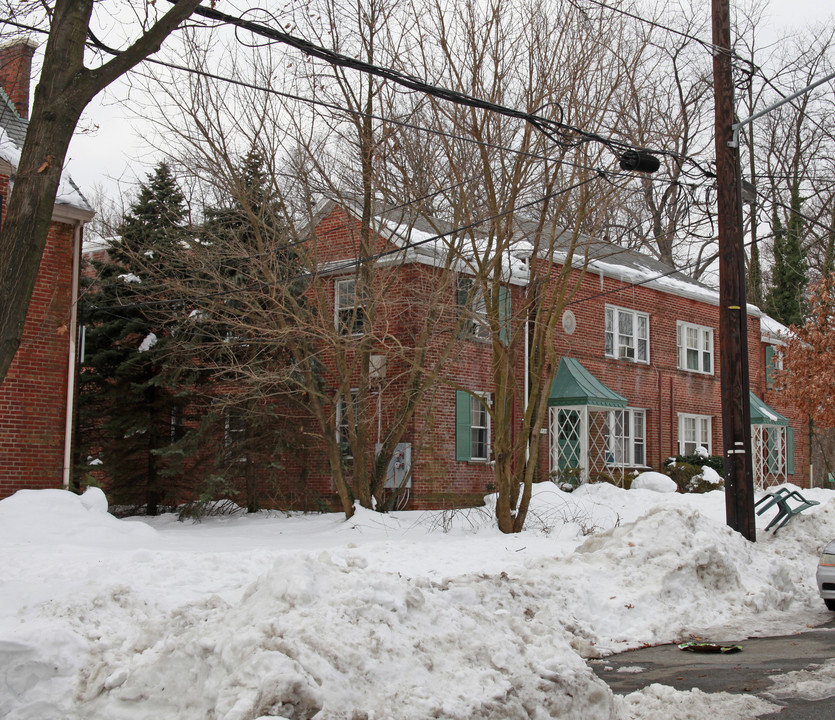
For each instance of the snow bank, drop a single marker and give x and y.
(58, 517)
(655, 481)
(407, 615)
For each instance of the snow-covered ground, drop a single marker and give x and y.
(408, 616)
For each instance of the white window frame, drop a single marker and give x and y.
(702, 427)
(703, 347)
(632, 345)
(342, 417)
(341, 308)
(623, 440)
(479, 405)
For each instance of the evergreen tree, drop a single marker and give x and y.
(129, 406)
(789, 276)
(246, 242)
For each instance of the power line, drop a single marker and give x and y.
(97, 44)
(560, 133)
(713, 49)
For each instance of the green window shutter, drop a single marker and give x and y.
(769, 366)
(463, 424)
(504, 314)
(790, 450)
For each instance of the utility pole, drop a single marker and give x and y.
(733, 314)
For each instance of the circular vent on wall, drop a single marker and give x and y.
(569, 322)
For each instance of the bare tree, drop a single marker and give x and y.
(261, 297)
(64, 89)
(530, 201)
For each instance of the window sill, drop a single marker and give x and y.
(696, 372)
(627, 360)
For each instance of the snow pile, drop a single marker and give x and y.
(655, 481)
(817, 684)
(661, 701)
(147, 343)
(407, 615)
(710, 475)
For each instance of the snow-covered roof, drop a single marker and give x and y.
(773, 331)
(429, 239)
(11, 123)
(12, 134)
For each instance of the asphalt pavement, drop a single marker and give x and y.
(748, 671)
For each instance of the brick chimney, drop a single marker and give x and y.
(15, 71)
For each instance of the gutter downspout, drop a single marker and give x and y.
(527, 381)
(71, 361)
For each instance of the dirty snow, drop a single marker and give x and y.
(408, 615)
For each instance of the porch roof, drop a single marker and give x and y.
(574, 385)
(761, 414)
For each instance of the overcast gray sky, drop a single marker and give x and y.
(113, 155)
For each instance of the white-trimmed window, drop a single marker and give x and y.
(695, 347)
(479, 430)
(627, 437)
(773, 362)
(626, 334)
(348, 311)
(694, 431)
(472, 426)
(343, 419)
(472, 304)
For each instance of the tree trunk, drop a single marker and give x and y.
(63, 91)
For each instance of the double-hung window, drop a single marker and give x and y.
(344, 416)
(694, 431)
(472, 305)
(773, 362)
(626, 334)
(348, 309)
(695, 348)
(472, 426)
(627, 437)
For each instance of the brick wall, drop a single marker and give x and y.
(660, 388)
(33, 394)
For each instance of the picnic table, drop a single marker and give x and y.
(788, 503)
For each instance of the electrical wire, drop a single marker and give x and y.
(99, 45)
(713, 49)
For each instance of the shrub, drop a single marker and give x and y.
(690, 477)
(717, 462)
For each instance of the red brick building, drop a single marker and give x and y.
(36, 395)
(639, 378)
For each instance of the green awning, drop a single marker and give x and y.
(574, 385)
(761, 414)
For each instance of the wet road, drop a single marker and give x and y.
(746, 672)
